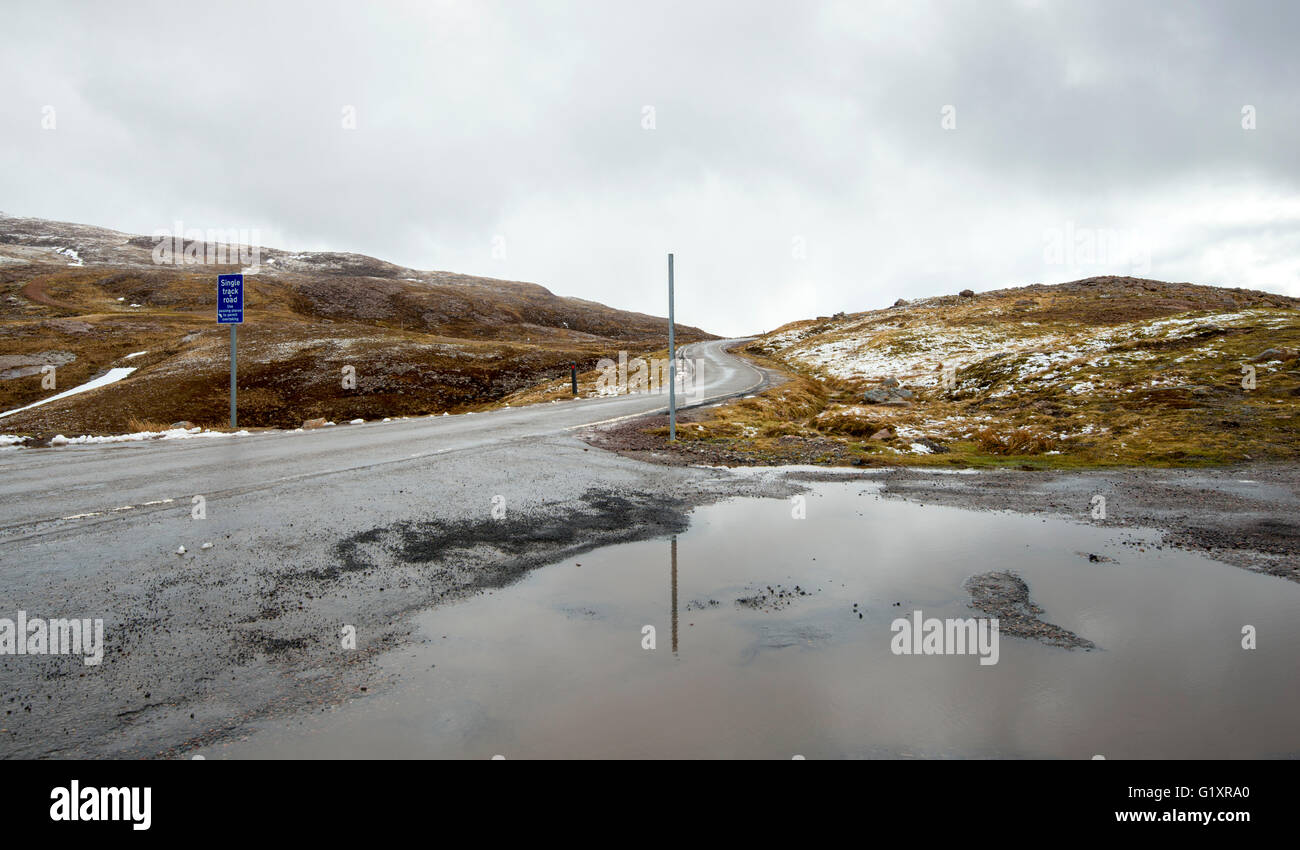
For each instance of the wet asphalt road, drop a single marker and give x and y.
(354, 525)
(39, 489)
(362, 526)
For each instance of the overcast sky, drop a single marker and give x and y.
(798, 158)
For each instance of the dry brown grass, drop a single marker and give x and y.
(1168, 397)
(1015, 441)
(850, 422)
(136, 425)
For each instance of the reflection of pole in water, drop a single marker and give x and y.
(674, 549)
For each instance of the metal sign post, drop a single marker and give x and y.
(672, 360)
(573, 372)
(230, 311)
(234, 347)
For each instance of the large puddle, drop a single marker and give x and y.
(553, 666)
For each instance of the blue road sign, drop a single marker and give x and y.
(230, 299)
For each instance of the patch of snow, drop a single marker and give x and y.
(1175, 325)
(111, 377)
(142, 436)
(136, 354)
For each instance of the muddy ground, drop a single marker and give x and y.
(1247, 515)
(200, 644)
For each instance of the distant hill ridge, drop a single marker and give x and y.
(1099, 371)
(420, 341)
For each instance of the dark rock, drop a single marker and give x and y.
(887, 395)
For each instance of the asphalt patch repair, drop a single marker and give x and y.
(463, 557)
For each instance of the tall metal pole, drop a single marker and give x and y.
(672, 359)
(232, 377)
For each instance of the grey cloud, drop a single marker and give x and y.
(773, 121)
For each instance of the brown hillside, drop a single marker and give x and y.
(83, 298)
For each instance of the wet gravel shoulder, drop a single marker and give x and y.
(1242, 515)
(201, 646)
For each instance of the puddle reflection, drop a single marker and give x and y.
(788, 626)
